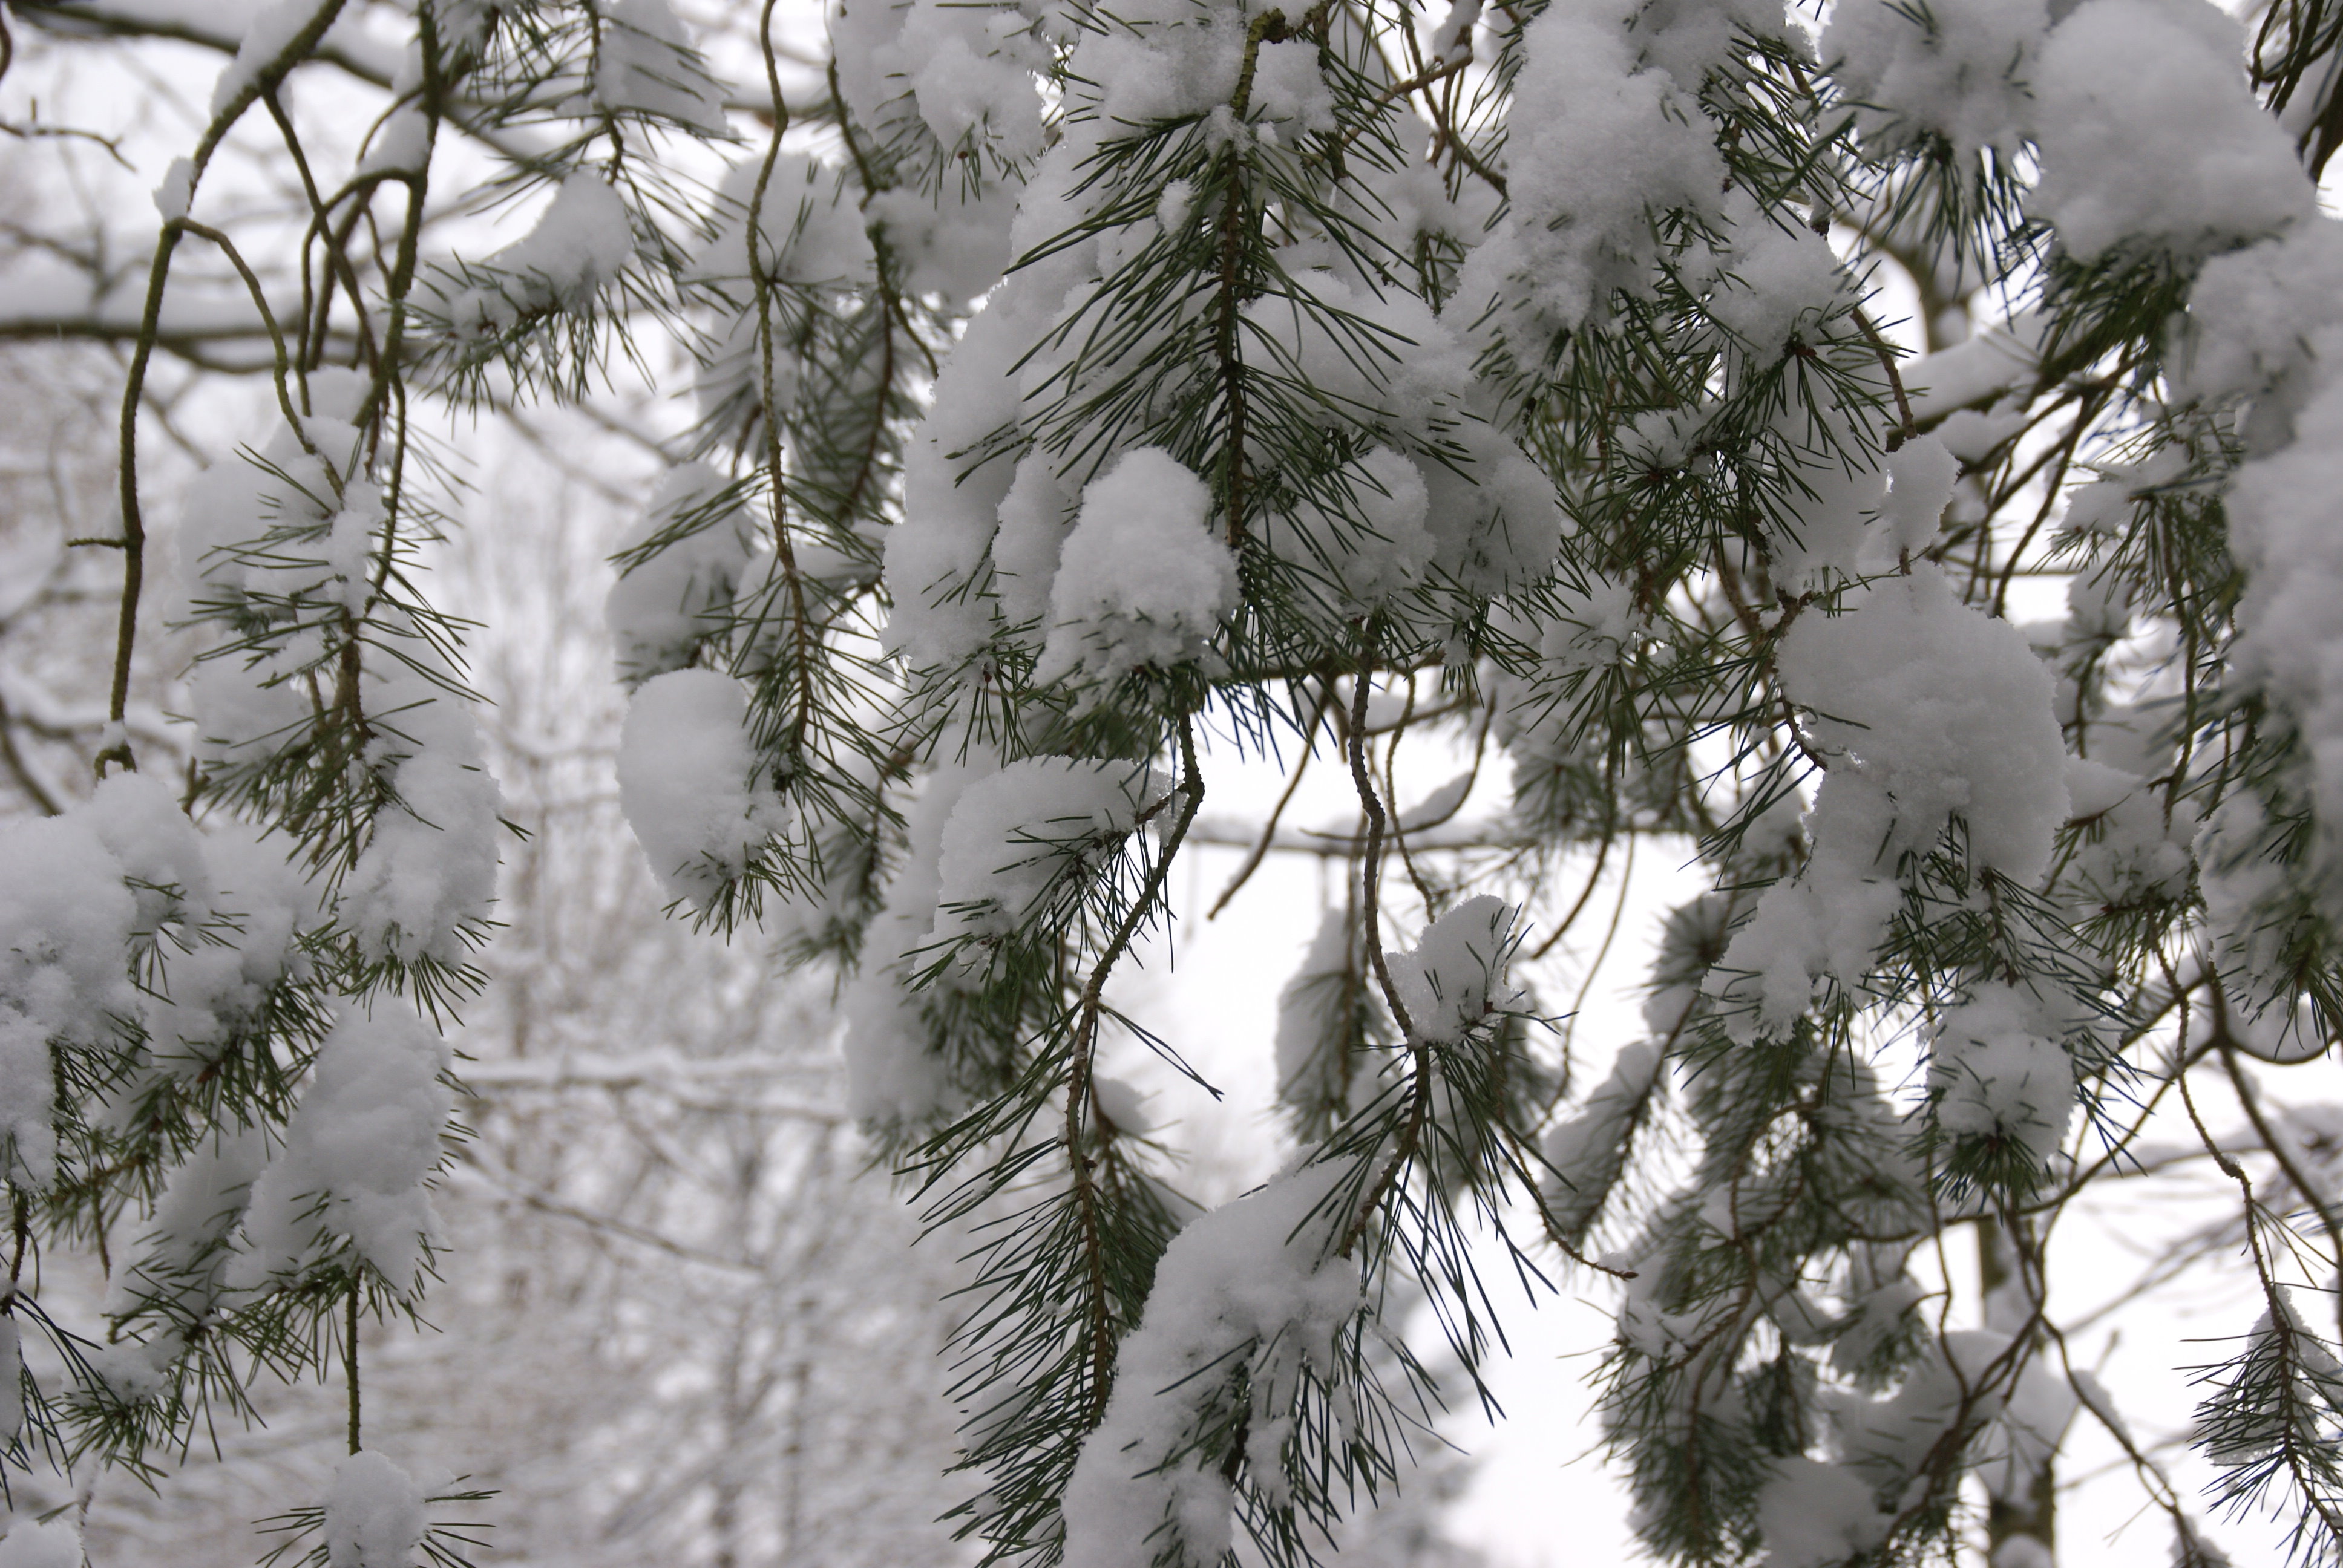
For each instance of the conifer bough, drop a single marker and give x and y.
(1090, 399)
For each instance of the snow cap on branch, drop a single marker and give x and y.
(693, 784)
(1251, 1288)
(34, 1544)
(1957, 70)
(1998, 1069)
(427, 875)
(645, 64)
(360, 1146)
(1927, 710)
(893, 1074)
(374, 1514)
(2149, 137)
(577, 247)
(665, 604)
(1142, 582)
(1014, 838)
(1599, 145)
(1454, 977)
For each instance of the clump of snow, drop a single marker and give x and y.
(1122, 1105)
(893, 1074)
(288, 541)
(1384, 363)
(964, 71)
(1971, 434)
(1995, 364)
(1963, 1378)
(1776, 282)
(1852, 523)
(1410, 199)
(375, 1514)
(692, 784)
(2024, 1437)
(357, 1151)
(1588, 1151)
(1185, 62)
(1251, 1287)
(1921, 476)
(182, 1262)
(644, 64)
(663, 605)
(2261, 321)
(2279, 507)
(579, 245)
(2282, 527)
(1368, 538)
(1440, 805)
(1454, 977)
(1594, 627)
(1933, 708)
(1036, 515)
(265, 38)
(31, 1544)
(83, 895)
(1013, 836)
(952, 510)
(2130, 845)
(1453, 36)
(1996, 1070)
(1141, 580)
(1495, 522)
(1956, 71)
(1816, 1515)
(67, 920)
(808, 230)
(1878, 1313)
(953, 241)
(2241, 875)
(177, 191)
(1287, 86)
(960, 79)
(1598, 145)
(261, 525)
(1689, 39)
(2150, 136)
(428, 872)
(1927, 710)
(402, 145)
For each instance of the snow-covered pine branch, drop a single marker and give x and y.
(1089, 403)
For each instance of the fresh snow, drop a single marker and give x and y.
(1141, 582)
(374, 1514)
(690, 780)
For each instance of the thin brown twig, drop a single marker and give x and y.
(1259, 850)
(1081, 1075)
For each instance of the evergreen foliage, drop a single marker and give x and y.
(1347, 379)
